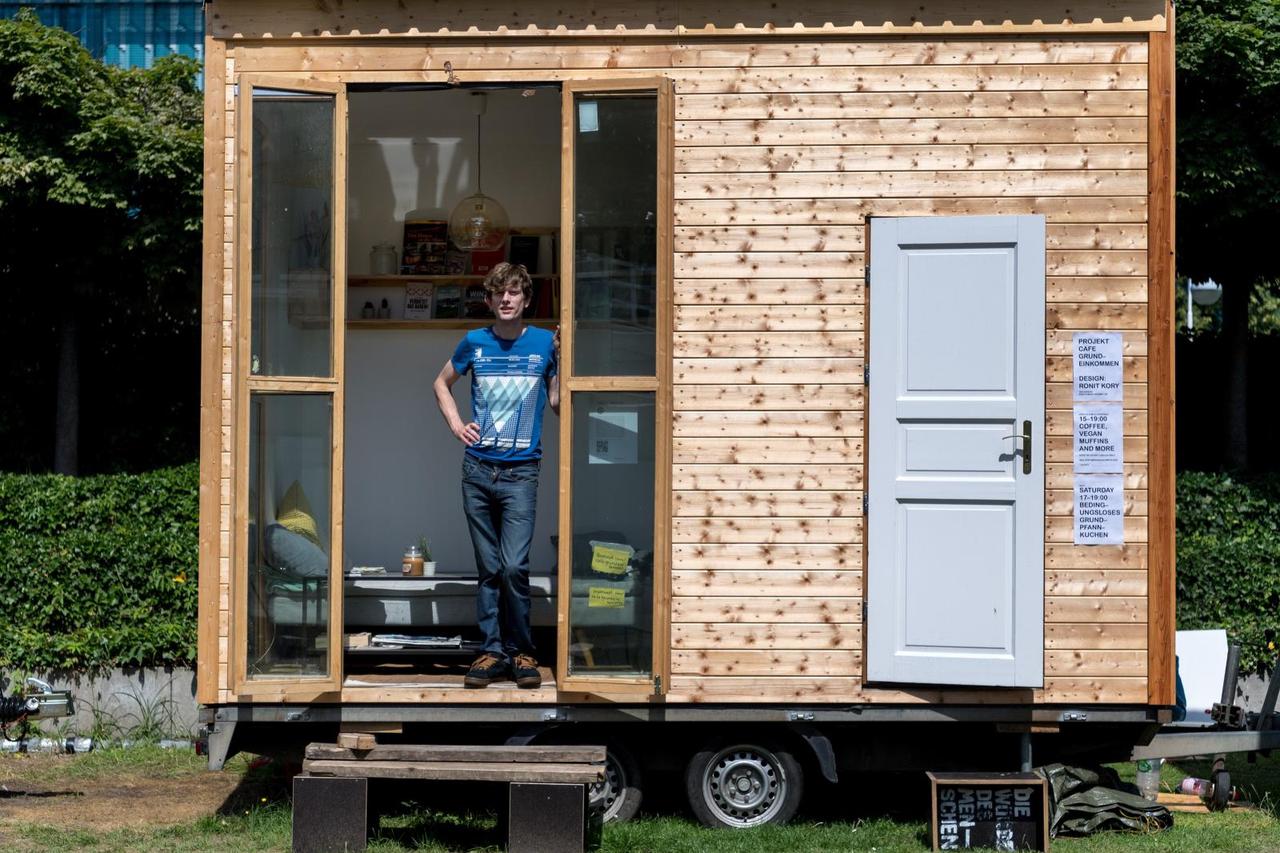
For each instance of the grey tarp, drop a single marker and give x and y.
(1084, 800)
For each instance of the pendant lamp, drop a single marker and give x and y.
(478, 223)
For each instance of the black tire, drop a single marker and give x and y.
(743, 783)
(1221, 796)
(619, 795)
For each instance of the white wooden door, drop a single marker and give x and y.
(955, 526)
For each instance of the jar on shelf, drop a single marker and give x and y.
(383, 259)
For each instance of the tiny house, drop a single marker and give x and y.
(856, 302)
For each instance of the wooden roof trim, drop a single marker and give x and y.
(1095, 27)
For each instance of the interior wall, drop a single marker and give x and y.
(416, 150)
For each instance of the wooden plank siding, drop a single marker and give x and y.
(774, 180)
(783, 147)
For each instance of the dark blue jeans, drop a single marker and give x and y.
(500, 502)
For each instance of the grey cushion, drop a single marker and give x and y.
(295, 553)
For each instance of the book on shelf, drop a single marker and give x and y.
(524, 251)
(426, 247)
(475, 306)
(483, 262)
(448, 301)
(418, 298)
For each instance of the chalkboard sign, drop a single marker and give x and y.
(1000, 811)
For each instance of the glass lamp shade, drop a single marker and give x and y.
(478, 223)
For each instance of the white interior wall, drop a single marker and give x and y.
(417, 151)
(408, 151)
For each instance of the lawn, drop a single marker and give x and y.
(116, 801)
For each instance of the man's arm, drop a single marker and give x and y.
(468, 434)
(553, 381)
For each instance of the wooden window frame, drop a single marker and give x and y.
(657, 682)
(302, 688)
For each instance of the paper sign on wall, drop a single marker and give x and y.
(1099, 439)
(1099, 515)
(613, 436)
(1097, 361)
(610, 559)
(605, 596)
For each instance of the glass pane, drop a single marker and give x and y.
(290, 450)
(292, 261)
(615, 234)
(611, 604)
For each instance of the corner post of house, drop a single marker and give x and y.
(212, 283)
(1161, 589)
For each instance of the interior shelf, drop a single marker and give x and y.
(400, 280)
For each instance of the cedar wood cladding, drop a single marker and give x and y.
(783, 147)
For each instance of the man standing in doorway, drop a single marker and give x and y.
(513, 375)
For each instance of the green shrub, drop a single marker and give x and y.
(1229, 561)
(98, 571)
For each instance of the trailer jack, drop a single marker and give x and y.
(36, 701)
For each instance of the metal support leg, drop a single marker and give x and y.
(1024, 752)
(220, 734)
(1229, 677)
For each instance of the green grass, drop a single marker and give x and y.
(143, 760)
(258, 818)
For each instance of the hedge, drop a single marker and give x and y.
(101, 571)
(1229, 561)
(98, 571)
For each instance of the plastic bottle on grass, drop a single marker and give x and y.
(1199, 787)
(1148, 779)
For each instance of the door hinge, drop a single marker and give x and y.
(866, 503)
(866, 374)
(235, 90)
(657, 685)
(864, 611)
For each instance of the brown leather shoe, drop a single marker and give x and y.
(526, 672)
(487, 668)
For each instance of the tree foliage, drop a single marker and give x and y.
(1228, 57)
(100, 205)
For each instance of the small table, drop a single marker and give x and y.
(408, 601)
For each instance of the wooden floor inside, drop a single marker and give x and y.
(438, 682)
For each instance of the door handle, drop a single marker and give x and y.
(1026, 446)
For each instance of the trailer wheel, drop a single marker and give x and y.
(744, 784)
(619, 795)
(1221, 796)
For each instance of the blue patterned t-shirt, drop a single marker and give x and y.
(508, 390)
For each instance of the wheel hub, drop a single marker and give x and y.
(744, 785)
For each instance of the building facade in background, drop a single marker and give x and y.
(125, 33)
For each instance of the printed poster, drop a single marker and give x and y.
(613, 436)
(1097, 362)
(1099, 515)
(1099, 439)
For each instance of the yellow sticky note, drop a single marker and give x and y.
(608, 560)
(604, 596)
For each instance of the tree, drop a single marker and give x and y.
(100, 182)
(1228, 58)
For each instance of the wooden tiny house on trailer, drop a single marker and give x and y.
(780, 490)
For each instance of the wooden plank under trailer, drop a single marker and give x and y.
(547, 804)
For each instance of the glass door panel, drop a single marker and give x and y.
(615, 442)
(615, 233)
(290, 542)
(290, 223)
(611, 600)
(292, 233)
